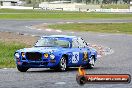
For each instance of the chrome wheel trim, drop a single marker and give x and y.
(92, 62)
(63, 64)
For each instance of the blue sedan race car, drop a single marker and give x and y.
(56, 52)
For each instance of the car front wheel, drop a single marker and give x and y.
(62, 64)
(22, 69)
(91, 63)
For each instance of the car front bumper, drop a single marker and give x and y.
(38, 64)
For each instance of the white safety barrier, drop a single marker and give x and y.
(15, 7)
(70, 7)
(113, 10)
(79, 7)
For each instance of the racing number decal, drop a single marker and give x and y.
(85, 56)
(75, 57)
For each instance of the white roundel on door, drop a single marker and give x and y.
(75, 57)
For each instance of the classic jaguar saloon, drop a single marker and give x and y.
(57, 52)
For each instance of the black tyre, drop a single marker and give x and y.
(62, 64)
(52, 68)
(22, 69)
(91, 63)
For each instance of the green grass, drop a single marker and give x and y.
(98, 27)
(7, 53)
(41, 14)
(35, 11)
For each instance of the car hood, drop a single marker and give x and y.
(41, 49)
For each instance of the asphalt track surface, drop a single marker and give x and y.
(120, 62)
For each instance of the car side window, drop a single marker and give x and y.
(75, 43)
(82, 43)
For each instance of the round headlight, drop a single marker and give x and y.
(23, 54)
(46, 55)
(17, 55)
(52, 56)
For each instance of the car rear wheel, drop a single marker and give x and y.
(91, 63)
(22, 69)
(62, 64)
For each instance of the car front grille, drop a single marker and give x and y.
(34, 56)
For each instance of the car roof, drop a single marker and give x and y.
(60, 36)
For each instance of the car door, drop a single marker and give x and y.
(84, 51)
(75, 53)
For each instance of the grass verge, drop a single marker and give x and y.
(7, 53)
(41, 14)
(98, 27)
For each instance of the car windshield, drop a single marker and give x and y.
(52, 42)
